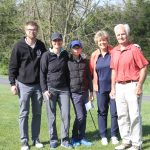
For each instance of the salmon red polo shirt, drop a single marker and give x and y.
(127, 63)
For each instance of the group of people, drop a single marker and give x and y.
(58, 76)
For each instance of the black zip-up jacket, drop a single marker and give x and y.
(54, 70)
(80, 78)
(24, 62)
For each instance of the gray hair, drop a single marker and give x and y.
(126, 27)
(100, 34)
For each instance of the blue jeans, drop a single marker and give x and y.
(103, 102)
(62, 96)
(27, 92)
(79, 100)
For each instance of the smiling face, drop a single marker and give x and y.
(121, 36)
(102, 43)
(76, 50)
(31, 31)
(57, 43)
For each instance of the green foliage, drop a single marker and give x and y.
(74, 19)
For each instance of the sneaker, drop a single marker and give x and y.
(66, 144)
(53, 144)
(114, 140)
(75, 142)
(134, 147)
(123, 146)
(37, 143)
(24, 146)
(104, 141)
(85, 142)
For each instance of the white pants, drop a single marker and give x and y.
(129, 113)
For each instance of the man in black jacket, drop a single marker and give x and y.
(24, 69)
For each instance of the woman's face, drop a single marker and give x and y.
(57, 44)
(102, 43)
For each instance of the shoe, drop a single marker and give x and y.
(37, 143)
(75, 142)
(114, 140)
(104, 141)
(24, 146)
(53, 144)
(123, 146)
(66, 144)
(134, 147)
(85, 142)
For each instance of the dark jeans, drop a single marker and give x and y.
(103, 102)
(79, 100)
(62, 96)
(27, 92)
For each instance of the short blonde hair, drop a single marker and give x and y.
(31, 23)
(100, 34)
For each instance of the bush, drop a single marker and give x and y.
(3, 69)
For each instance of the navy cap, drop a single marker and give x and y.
(56, 36)
(75, 43)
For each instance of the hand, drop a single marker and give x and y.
(91, 98)
(14, 90)
(46, 94)
(112, 94)
(138, 90)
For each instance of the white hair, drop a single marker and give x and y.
(126, 27)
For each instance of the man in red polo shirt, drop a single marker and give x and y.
(129, 69)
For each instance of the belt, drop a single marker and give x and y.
(128, 81)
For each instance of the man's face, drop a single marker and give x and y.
(76, 50)
(31, 31)
(121, 35)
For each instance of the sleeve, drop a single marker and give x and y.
(91, 65)
(139, 58)
(112, 61)
(44, 72)
(89, 77)
(67, 70)
(14, 66)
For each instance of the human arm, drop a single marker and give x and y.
(143, 73)
(113, 83)
(89, 77)
(14, 69)
(43, 72)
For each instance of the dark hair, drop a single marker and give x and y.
(32, 23)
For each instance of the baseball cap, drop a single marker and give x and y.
(55, 36)
(75, 43)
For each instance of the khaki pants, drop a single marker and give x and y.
(129, 113)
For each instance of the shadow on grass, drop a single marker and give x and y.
(146, 133)
(95, 135)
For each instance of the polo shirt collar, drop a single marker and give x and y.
(127, 48)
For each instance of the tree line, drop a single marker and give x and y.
(75, 19)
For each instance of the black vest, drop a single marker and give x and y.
(78, 74)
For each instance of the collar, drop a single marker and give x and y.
(52, 51)
(126, 48)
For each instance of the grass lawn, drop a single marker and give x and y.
(9, 128)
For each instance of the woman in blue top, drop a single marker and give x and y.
(104, 86)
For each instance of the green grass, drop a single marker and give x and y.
(146, 86)
(9, 125)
